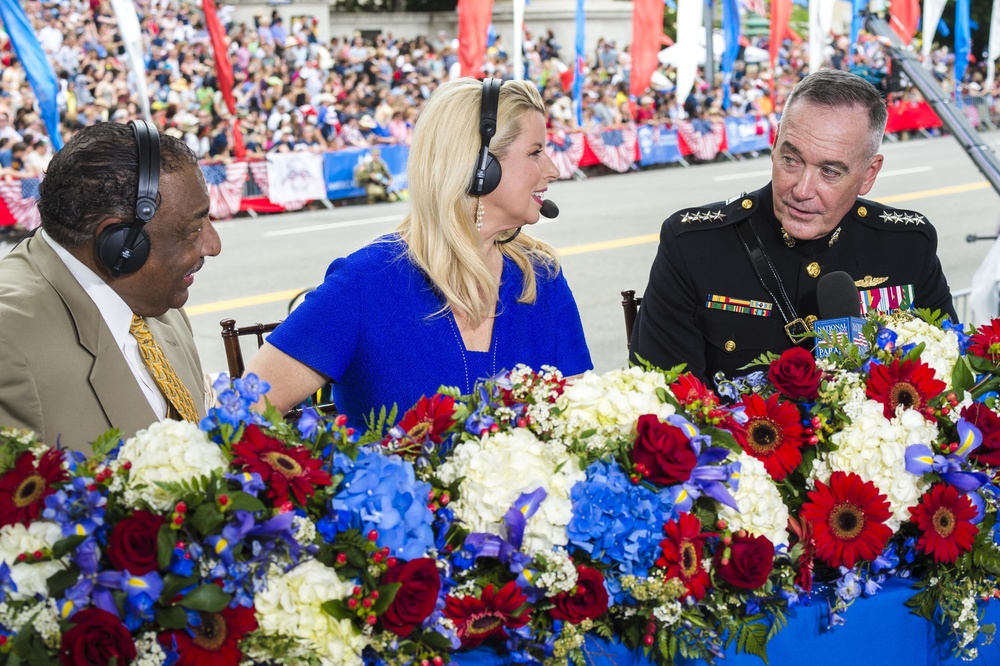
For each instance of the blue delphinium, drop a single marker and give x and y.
(617, 523)
(382, 493)
(77, 508)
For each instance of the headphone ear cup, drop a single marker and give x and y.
(493, 174)
(111, 242)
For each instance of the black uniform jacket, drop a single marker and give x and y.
(701, 256)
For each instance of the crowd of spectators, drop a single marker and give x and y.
(296, 92)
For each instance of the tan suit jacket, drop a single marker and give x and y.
(61, 373)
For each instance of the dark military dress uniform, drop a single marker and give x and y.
(706, 307)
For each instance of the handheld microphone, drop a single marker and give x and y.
(840, 307)
(549, 209)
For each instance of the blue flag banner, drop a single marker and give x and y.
(581, 22)
(858, 8)
(731, 32)
(41, 76)
(746, 134)
(963, 42)
(338, 170)
(657, 145)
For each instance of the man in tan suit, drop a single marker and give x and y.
(72, 363)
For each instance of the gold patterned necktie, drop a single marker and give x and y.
(177, 395)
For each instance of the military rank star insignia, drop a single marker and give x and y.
(902, 217)
(702, 216)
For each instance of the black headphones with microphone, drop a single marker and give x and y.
(123, 248)
(486, 177)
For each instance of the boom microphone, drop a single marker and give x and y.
(838, 296)
(549, 209)
(840, 307)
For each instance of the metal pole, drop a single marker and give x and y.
(709, 46)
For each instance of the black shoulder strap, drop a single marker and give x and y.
(795, 328)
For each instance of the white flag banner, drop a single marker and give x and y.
(820, 25)
(519, 72)
(690, 25)
(933, 9)
(993, 51)
(128, 27)
(295, 177)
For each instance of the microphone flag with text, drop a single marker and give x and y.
(840, 309)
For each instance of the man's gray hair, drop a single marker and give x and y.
(836, 89)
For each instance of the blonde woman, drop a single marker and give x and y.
(456, 294)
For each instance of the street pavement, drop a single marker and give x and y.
(606, 233)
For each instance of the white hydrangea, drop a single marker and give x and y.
(874, 448)
(292, 606)
(762, 511)
(941, 346)
(610, 404)
(29, 576)
(497, 469)
(558, 572)
(167, 451)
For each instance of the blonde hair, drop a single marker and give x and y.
(440, 231)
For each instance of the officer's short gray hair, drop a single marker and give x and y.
(836, 89)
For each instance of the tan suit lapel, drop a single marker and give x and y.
(111, 379)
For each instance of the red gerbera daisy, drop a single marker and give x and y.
(429, 418)
(681, 554)
(944, 516)
(848, 519)
(803, 531)
(215, 641)
(23, 489)
(773, 434)
(280, 467)
(907, 383)
(986, 343)
(478, 619)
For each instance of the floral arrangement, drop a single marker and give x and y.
(637, 507)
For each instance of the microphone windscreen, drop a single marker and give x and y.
(837, 296)
(549, 209)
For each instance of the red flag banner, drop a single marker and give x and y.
(223, 70)
(904, 15)
(647, 34)
(781, 14)
(474, 18)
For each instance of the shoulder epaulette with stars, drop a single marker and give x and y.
(714, 215)
(879, 216)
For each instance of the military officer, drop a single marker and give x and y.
(734, 279)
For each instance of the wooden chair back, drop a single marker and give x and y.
(630, 306)
(231, 335)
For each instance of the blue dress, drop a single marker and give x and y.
(371, 328)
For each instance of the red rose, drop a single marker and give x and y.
(96, 638)
(751, 559)
(663, 450)
(988, 423)
(795, 374)
(416, 599)
(132, 544)
(588, 600)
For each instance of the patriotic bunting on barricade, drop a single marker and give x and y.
(21, 197)
(565, 149)
(225, 187)
(703, 137)
(614, 147)
(260, 176)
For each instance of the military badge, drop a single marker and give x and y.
(886, 299)
(739, 305)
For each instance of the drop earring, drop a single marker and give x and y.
(479, 214)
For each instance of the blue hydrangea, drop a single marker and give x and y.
(618, 523)
(382, 493)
